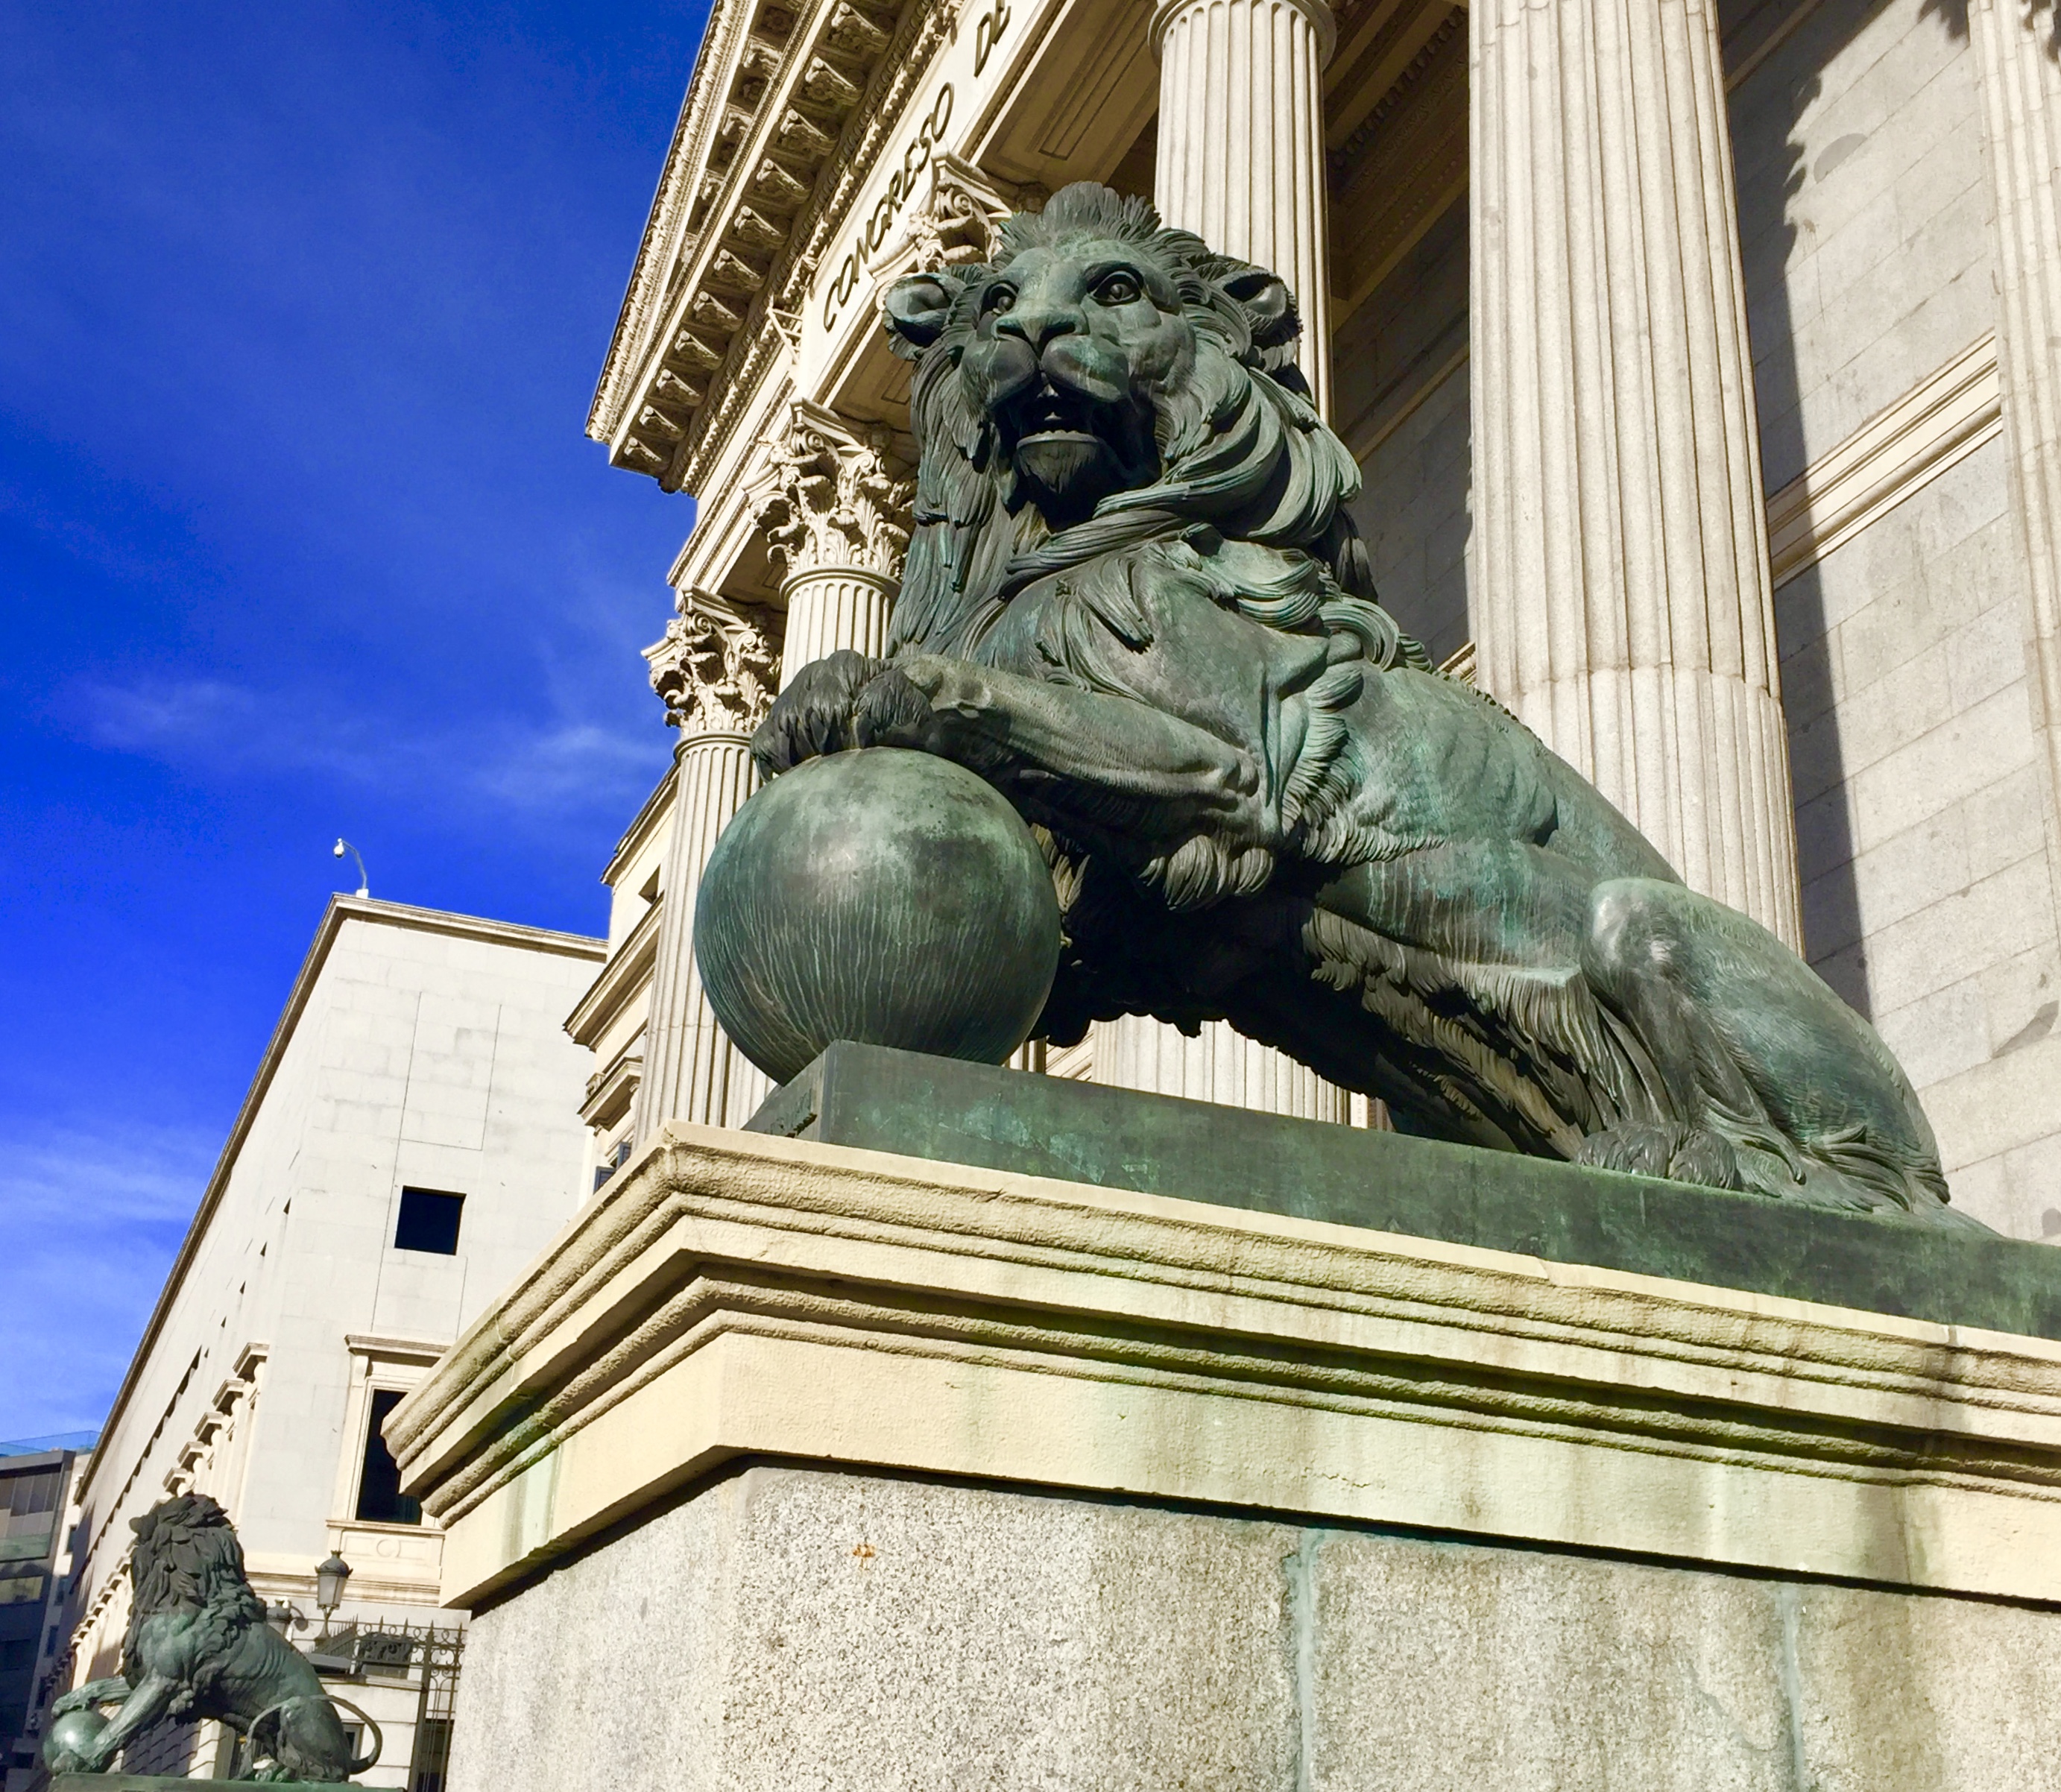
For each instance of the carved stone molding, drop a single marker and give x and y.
(717, 666)
(832, 495)
(956, 225)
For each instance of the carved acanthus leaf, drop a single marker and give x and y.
(832, 495)
(955, 224)
(718, 666)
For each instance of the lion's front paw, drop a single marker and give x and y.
(1676, 1154)
(844, 700)
(813, 715)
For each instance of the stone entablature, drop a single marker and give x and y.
(785, 119)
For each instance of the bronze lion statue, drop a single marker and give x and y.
(1135, 603)
(199, 1646)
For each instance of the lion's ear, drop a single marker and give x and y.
(915, 310)
(1268, 305)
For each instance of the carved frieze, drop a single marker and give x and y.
(832, 495)
(717, 664)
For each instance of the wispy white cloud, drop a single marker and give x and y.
(225, 728)
(93, 1215)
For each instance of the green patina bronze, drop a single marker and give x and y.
(957, 1113)
(199, 1646)
(1135, 604)
(879, 895)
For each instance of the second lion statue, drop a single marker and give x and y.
(1135, 603)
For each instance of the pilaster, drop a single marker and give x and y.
(1626, 613)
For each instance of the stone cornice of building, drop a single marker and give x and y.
(625, 973)
(657, 807)
(340, 909)
(779, 134)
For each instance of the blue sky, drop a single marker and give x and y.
(301, 308)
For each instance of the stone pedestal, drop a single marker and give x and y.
(794, 1463)
(1620, 562)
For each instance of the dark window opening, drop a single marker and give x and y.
(429, 1222)
(432, 1760)
(26, 1495)
(379, 1496)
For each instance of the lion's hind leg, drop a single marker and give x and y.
(1761, 1061)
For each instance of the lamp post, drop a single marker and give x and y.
(329, 1577)
(364, 883)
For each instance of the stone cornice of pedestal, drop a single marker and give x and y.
(733, 1295)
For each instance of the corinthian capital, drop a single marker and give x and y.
(956, 223)
(830, 495)
(717, 666)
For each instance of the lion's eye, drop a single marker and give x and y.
(999, 298)
(1119, 288)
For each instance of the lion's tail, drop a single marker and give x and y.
(378, 1739)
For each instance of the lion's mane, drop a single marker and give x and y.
(186, 1559)
(1241, 450)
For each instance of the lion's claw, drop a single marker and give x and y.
(843, 700)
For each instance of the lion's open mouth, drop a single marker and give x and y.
(1051, 413)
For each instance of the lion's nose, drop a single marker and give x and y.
(1038, 325)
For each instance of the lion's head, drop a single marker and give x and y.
(186, 1558)
(1104, 381)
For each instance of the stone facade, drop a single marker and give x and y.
(417, 1051)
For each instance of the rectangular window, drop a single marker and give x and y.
(28, 1495)
(379, 1496)
(425, 1772)
(429, 1222)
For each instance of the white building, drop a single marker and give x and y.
(411, 1139)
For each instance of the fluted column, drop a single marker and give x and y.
(1242, 144)
(1216, 1065)
(1242, 164)
(836, 513)
(715, 669)
(1623, 601)
(2022, 102)
(829, 607)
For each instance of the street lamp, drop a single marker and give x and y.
(342, 846)
(329, 1587)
